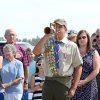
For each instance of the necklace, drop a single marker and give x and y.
(82, 52)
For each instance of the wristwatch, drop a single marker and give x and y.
(26, 81)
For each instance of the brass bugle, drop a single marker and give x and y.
(48, 30)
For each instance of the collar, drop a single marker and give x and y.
(64, 40)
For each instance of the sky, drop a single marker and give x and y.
(29, 17)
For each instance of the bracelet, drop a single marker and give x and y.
(26, 81)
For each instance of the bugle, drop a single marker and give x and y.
(49, 30)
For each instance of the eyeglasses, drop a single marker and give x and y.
(11, 34)
(39, 64)
(97, 36)
(83, 37)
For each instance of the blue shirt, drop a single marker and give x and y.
(32, 70)
(11, 71)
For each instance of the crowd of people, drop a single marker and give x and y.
(62, 66)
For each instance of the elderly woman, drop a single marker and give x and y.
(12, 74)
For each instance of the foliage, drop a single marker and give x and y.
(32, 41)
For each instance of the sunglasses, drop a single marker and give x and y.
(97, 36)
(39, 64)
(83, 37)
(94, 40)
(71, 32)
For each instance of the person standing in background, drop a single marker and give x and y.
(97, 47)
(12, 74)
(10, 36)
(1, 60)
(87, 86)
(32, 64)
(93, 38)
(37, 80)
(72, 37)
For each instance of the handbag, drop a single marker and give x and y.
(27, 95)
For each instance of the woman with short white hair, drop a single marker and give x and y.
(12, 74)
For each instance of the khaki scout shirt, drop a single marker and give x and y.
(69, 59)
